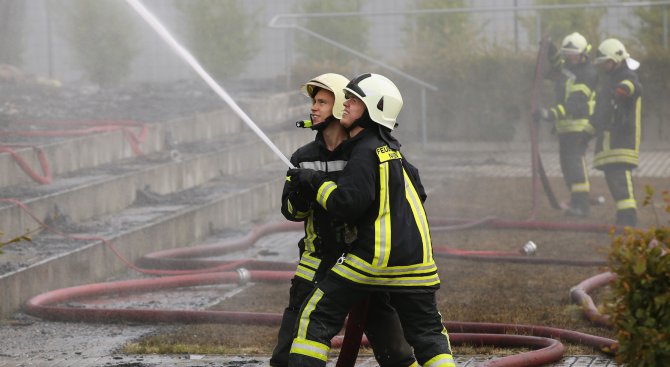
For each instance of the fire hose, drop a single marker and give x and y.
(89, 127)
(46, 305)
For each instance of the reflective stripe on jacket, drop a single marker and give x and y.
(576, 95)
(618, 119)
(318, 223)
(381, 195)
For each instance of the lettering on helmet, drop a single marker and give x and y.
(385, 154)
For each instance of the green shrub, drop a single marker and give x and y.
(222, 35)
(102, 35)
(640, 304)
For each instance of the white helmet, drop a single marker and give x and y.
(575, 43)
(613, 49)
(332, 82)
(381, 97)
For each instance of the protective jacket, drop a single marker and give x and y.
(576, 93)
(323, 239)
(381, 195)
(617, 119)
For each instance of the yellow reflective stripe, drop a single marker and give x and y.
(386, 154)
(310, 349)
(414, 364)
(296, 213)
(305, 273)
(407, 281)
(616, 156)
(582, 186)
(419, 217)
(580, 88)
(310, 234)
(414, 269)
(306, 311)
(638, 123)
(383, 220)
(441, 360)
(571, 126)
(630, 86)
(626, 204)
(307, 266)
(324, 192)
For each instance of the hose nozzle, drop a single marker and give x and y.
(306, 124)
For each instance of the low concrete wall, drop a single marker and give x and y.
(96, 262)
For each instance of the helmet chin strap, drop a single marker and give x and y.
(364, 121)
(321, 126)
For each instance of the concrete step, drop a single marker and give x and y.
(112, 187)
(68, 154)
(170, 221)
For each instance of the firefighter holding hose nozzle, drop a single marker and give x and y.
(326, 238)
(575, 80)
(380, 194)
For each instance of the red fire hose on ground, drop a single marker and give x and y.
(90, 127)
(46, 305)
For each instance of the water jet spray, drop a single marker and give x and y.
(186, 56)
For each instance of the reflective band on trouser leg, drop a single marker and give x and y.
(441, 360)
(310, 349)
(415, 364)
(300, 344)
(628, 203)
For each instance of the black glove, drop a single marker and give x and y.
(541, 113)
(306, 178)
(552, 50)
(291, 184)
(298, 201)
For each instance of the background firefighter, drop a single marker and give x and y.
(617, 120)
(575, 82)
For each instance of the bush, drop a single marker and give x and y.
(223, 35)
(640, 304)
(101, 34)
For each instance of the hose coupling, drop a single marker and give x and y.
(245, 276)
(529, 248)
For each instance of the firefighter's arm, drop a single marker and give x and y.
(413, 173)
(349, 197)
(626, 90)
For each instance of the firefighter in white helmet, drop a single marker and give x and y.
(381, 196)
(617, 120)
(324, 238)
(574, 83)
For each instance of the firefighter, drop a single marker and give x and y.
(324, 240)
(575, 84)
(617, 121)
(380, 198)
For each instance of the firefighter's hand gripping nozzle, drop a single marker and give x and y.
(306, 124)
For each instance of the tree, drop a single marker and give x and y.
(102, 34)
(222, 35)
(559, 23)
(350, 31)
(441, 38)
